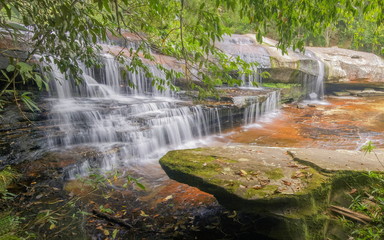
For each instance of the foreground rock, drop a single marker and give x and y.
(292, 186)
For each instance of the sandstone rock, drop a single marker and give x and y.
(348, 65)
(291, 185)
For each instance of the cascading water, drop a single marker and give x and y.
(315, 86)
(138, 128)
(130, 125)
(255, 110)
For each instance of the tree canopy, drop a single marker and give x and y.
(69, 31)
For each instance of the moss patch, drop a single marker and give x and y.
(280, 85)
(275, 174)
(188, 161)
(261, 193)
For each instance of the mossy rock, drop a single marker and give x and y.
(279, 184)
(260, 179)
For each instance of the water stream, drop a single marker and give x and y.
(315, 87)
(137, 123)
(130, 125)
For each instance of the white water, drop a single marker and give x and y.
(130, 125)
(124, 124)
(315, 88)
(255, 111)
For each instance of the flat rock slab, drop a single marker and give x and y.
(339, 160)
(248, 172)
(262, 173)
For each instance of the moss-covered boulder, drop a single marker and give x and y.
(276, 183)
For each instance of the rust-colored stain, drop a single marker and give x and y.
(181, 195)
(346, 123)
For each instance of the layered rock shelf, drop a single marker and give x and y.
(291, 185)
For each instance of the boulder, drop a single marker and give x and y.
(293, 186)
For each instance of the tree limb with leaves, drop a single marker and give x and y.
(68, 32)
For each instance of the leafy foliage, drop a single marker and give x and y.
(369, 201)
(66, 32)
(7, 176)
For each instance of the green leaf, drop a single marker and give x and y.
(106, 5)
(368, 147)
(29, 102)
(38, 81)
(114, 233)
(18, 26)
(24, 67)
(140, 185)
(5, 75)
(8, 10)
(10, 68)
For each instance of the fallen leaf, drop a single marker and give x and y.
(303, 167)
(143, 214)
(293, 166)
(243, 173)
(257, 187)
(353, 191)
(298, 174)
(52, 226)
(264, 181)
(242, 186)
(287, 183)
(168, 197)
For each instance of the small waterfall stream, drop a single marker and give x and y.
(253, 112)
(315, 88)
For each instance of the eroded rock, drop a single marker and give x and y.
(291, 185)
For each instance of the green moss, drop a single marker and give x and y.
(261, 193)
(275, 174)
(7, 176)
(187, 161)
(273, 61)
(280, 85)
(230, 186)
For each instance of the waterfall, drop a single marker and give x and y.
(136, 124)
(255, 110)
(315, 86)
(127, 125)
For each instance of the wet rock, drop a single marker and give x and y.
(301, 106)
(22, 137)
(341, 94)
